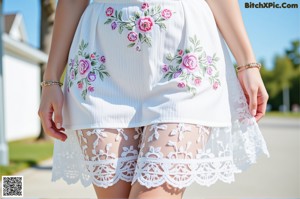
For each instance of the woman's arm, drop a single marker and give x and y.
(67, 16)
(230, 23)
(68, 13)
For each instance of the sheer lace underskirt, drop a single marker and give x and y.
(176, 153)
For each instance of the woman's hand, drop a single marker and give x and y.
(51, 103)
(255, 91)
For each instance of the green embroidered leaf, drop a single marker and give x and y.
(86, 56)
(162, 25)
(109, 20)
(187, 51)
(116, 14)
(140, 36)
(106, 73)
(136, 15)
(71, 83)
(101, 75)
(131, 45)
(83, 94)
(121, 28)
(120, 15)
(93, 63)
(179, 61)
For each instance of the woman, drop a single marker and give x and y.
(151, 102)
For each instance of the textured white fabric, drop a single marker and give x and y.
(176, 73)
(155, 65)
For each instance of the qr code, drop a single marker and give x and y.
(12, 186)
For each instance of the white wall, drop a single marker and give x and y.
(21, 97)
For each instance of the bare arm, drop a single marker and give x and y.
(67, 16)
(230, 23)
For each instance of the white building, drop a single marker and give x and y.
(21, 79)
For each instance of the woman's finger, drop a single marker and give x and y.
(253, 100)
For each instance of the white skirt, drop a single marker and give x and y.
(134, 63)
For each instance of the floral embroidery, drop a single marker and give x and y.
(139, 24)
(84, 69)
(191, 66)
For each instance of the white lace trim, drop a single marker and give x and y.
(228, 150)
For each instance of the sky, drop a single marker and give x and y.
(270, 30)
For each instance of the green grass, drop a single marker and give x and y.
(281, 114)
(25, 153)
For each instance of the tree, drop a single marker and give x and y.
(47, 8)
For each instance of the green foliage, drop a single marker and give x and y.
(284, 75)
(26, 153)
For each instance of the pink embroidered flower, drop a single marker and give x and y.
(145, 23)
(91, 76)
(145, 6)
(72, 75)
(79, 85)
(177, 74)
(165, 68)
(209, 59)
(84, 67)
(181, 84)
(190, 61)
(180, 52)
(92, 56)
(209, 70)
(132, 36)
(215, 85)
(114, 25)
(102, 59)
(197, 81)
(109, 11)
(91, 89)
(166, 13)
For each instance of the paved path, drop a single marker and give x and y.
(274, 177)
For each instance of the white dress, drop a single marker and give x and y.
(134, 63)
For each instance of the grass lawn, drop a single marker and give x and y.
(281, 114)
(25, 153)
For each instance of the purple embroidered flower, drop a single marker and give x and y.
(80, 85)
(109, 11)
(84, 67)
(132, 36)
(145, 23)
(145, 6)
(209, 59)
(190, 61)
(181, 84)
(71, 62)
(166, 14)
(197, 81)
(177, 74)
(138, 48)
(114, 25)
(165, 68)
(215, 85)
(91, 89)
(102, 59)
(91, 76)
(209, 70)
(72, 75)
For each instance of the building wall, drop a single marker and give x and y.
(21, 97)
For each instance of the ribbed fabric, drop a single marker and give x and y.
(136, 91)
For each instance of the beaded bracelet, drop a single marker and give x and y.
(49, 83)
(250, 65)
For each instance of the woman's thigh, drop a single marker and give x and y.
(165, 163)
(110, 156)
